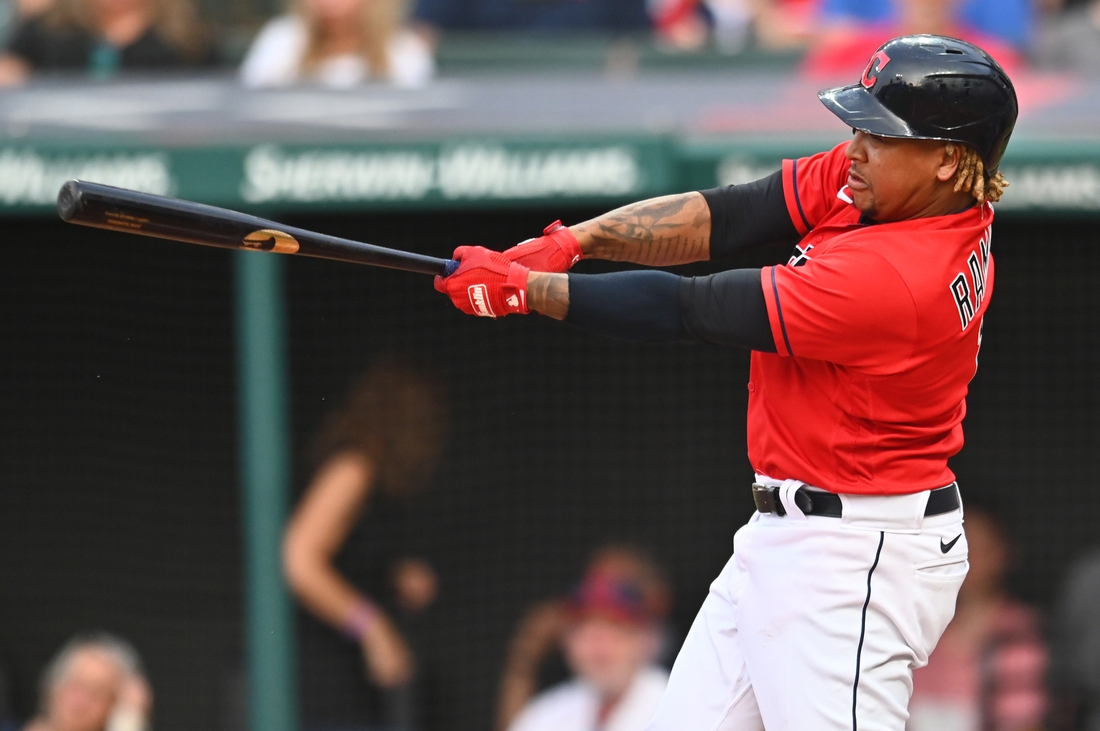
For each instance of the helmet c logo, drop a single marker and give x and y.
(874, 68)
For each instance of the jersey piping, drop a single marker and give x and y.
(863, 629)
(779, 311)
(783, 325)
(794, 199)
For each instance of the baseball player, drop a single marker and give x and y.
(863, 344)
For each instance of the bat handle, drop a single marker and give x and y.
(450, 267)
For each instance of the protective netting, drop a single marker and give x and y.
(118, 493)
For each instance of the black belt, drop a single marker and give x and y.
(813, 502)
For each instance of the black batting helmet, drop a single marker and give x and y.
(931, 88)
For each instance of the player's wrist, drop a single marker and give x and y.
(548, 294)
(585, 245)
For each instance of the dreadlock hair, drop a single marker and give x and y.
(972, 177)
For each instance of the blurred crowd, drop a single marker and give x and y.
(342, 43)
(594, 658)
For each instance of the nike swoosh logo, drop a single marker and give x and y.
(945, 547)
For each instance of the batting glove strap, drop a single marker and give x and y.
(486, 283)
(557, 250)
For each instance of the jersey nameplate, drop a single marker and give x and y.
(968, 288)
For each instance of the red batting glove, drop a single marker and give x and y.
(556, 250)
(486, 284)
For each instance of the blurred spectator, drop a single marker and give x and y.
(524, 15)
(853, 29)
(95, 683)
(770, 24)
(987, 672)
(680, 24)
(610, 631)
(786, 23)
(103, 37)
(1075, 650)
(339, 43)
(13, 12)
(378, 449)
(1071, 40)
(28, 8)
(733, 23)
(1009, 21)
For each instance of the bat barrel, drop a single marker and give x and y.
(129, 211)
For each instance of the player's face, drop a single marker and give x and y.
(899, 179)
(608, 654)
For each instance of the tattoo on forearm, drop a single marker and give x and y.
(658, 232)
(549, 294)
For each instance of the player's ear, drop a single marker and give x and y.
(951, 157)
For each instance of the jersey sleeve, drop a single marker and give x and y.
(811, 184)
(848, 306)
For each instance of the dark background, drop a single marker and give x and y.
(118, 473)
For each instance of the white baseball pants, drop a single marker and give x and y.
(816, 623)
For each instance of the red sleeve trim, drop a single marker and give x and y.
(790, 195)
(775, 311)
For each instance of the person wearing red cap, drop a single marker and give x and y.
(609, 629)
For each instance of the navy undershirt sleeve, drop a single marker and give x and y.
(636, 305)
(744, 217)
(726, 308)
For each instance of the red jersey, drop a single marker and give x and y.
(877, 328)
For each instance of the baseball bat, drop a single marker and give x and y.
(119, 209)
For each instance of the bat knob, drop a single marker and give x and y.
(69, 200)
(450, 267)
